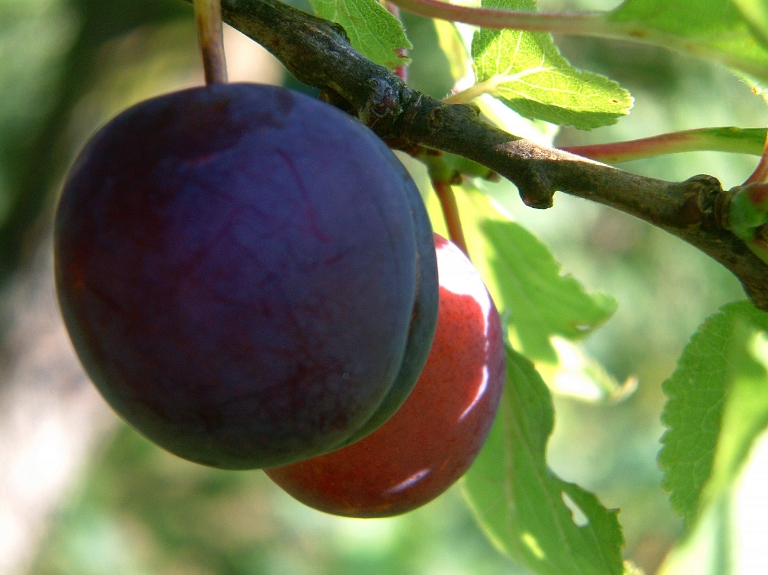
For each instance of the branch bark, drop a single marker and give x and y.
(318, 54)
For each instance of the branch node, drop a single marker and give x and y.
(703, 203)
(384, 101)
(536, 190)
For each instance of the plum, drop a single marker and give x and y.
(246, 273)
(423, 322)
(435, 436)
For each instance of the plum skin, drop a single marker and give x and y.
(423, 321)
(238, 268)
(434, 437)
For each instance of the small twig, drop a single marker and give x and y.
(760, 175)
(733, 140)
(451, 215)
(211, 39)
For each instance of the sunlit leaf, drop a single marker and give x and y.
(525, 280)
(498, 113)
(372, 30)
(706, 550)
(550, 526)
(755, 12)
(632, 569)
(717, 402)
(527, 72)
(712, 546)
(745, 414)
(708, 28)
(580, 376)
(453, 47)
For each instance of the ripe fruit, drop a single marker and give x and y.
(246, 273)
(434, 437)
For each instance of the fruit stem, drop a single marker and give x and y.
(211, 39)
(451, 216)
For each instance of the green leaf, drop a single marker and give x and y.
(707, 550)
(526, 71)
(710, 28)
(708, 411)
(453, 47)
(372, 30)
(525, 280)
(713, 546)
(755, 12)
(550, 526)
(745, 414)
(582, 377)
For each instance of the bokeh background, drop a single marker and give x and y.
(82, 494)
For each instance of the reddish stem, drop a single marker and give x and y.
(451, 216)
(760, 174)
(728, 139)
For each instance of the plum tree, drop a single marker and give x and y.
(434, 437)
(247, 274)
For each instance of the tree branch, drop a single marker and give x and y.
(318, 54)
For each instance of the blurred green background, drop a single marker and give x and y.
(81, 494)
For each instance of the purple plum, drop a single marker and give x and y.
(246, 273)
